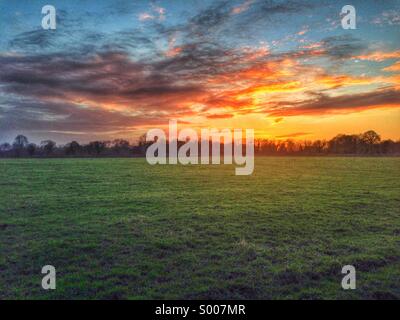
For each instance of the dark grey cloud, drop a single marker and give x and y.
(325, 104)
(343, 47)
(107, 77)
(33, 115)
(70, 92)
(36, 39)
(209, 20)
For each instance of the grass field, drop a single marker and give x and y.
(120, 228)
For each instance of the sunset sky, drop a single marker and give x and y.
(114, 69)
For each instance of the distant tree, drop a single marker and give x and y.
(20, 141)
(4, 147)
(281, 147)
(344, 144)
(257, 145)
(269, 147)
(31, 148)
(120, 146)
(96, 147)
(367, 142)
(19, 144)
(307, 147)
(319, 146)
(370, 141)
(48, 146)
(388, 146)
(290, 146)
(143, 144)
(371, 137)
(142, 140)
(72, 148)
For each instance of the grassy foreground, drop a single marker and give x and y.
(120, 228)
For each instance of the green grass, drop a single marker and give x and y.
(120, 228)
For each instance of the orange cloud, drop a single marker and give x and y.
(302, 32)
(172, 52)
(314, 45)
(245, 81)
(293, 135)
(243, 7)
(379, 56)
(393, 68)
(335, 81)
(273, 87)
(344, 104)
(219, 116)
(158, 13)
(145, 16)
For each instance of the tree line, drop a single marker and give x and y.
(367, 143)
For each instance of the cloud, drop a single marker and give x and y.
(157, 13)
(303, 31)
(130, 91)
(33, 115)
(343, 47)
(379, 56)
(36, 38)
(388, 17)
(293, 135)
(242, 8)
(219, 116)
(108, 79)
(342, 80)
(207, 65)
(324, 104)
(394, 67)
(276, 11)
(146, 16)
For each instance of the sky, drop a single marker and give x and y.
(115, 69)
